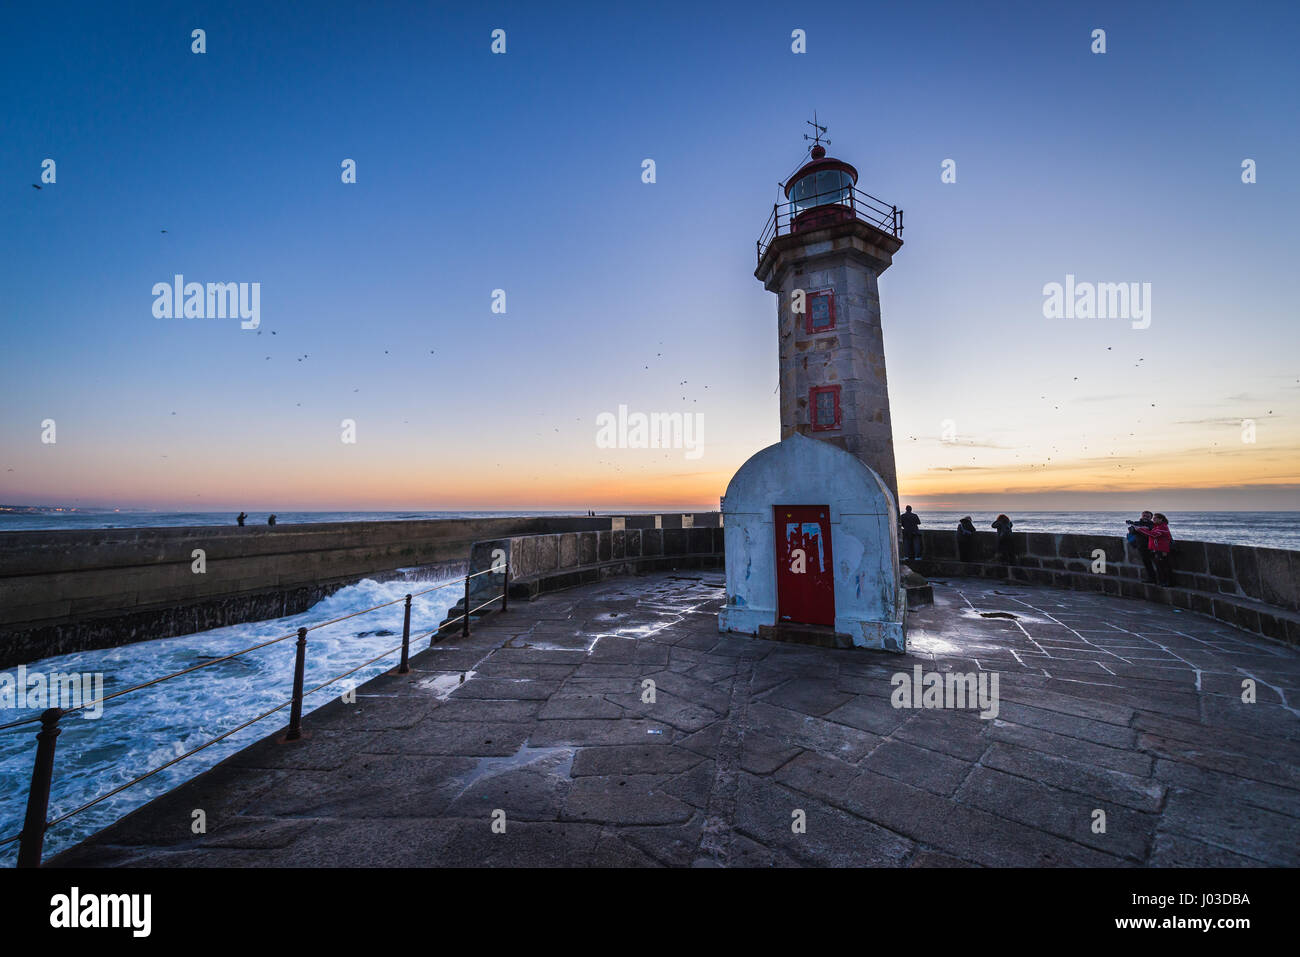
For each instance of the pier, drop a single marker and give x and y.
(1124, 735)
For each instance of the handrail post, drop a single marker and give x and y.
(295, 711)
(38, 796)
(505, 589)
(464, 628)
(405, 667)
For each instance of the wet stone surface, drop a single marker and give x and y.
(757, 753)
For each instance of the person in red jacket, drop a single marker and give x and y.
(1160, 541)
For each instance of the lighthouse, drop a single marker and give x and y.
(811, 523)
(822, 253)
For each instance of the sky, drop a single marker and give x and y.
(522, 171)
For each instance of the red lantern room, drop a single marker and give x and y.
(821, 192)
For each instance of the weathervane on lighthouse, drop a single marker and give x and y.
(818, 131)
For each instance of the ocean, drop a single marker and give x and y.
(146, 729)
(1266, 529)
(17, 518)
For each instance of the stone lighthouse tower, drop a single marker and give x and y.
(811, 523)
(822, 253)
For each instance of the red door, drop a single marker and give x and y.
(805, 582)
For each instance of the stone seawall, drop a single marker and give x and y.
(542, 563)
(78, 589)
(74, 590)
(1255, 589)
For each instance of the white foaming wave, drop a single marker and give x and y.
(148, 728)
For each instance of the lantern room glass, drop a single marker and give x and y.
(824, 188)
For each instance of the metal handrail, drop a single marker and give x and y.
(861, 206)
(32, 836)
(15, 724)
(162, 767)
(221, 737)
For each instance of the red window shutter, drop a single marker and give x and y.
(821, 312)
(824, 407)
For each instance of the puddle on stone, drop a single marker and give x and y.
(921, 641)
(445, 683)
(1024, 617)
(556, 761)
(579, 644)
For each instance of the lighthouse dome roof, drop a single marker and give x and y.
(821, 163)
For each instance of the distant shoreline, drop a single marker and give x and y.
(639, 510)
(1266, 528)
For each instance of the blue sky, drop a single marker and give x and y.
(523, 172)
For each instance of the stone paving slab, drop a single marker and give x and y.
(752, 753)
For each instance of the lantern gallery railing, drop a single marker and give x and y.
(837, 205)
(35, 824)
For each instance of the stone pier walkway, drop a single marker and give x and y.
(1106, 706)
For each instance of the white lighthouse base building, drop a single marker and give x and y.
(812, 549)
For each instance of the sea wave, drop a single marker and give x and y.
(145, 729)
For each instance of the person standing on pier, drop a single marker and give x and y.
(271, 520)
(1006, 545)
(910, 522)
(1161, 541)
(965, 539)
(1142, 545)
(239, 519)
